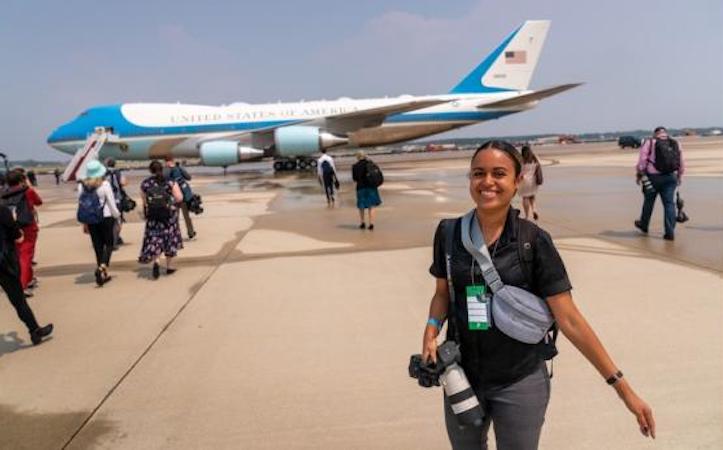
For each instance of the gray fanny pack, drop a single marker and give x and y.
(516, 312)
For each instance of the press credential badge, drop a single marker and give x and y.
(477, 308)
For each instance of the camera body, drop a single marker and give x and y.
(449, 374)
(646, 184)
(195, 204)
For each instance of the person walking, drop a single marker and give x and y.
(176, 173)
(98, 212)
(10, 234)
(22, 201)
(530, 181)
(117, 182)
(368, 178)
(326, 171)
(56, 174)
(162, 234)
(659, 170)
(509, 377)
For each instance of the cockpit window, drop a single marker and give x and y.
(83, 114)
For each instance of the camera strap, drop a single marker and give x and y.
(448, 246)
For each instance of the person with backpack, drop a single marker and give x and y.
(530, 181)
(98, 213)
(368, 177)
(22, 200)
(118, 183)
(508, 375)
(176, 173)
(10, 234)
(660, 171)
(326, 171)
(162, 234)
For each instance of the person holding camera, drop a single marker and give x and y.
(176, 173)
(659, 171)
(508, 376)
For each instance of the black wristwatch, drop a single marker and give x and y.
(614, 378)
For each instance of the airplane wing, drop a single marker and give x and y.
(372, 117)
(338, 123)
(531, 97)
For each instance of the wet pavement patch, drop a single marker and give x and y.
(31, 431)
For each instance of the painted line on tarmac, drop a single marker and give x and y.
(197, 288)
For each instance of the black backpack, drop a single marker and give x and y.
(326, 168)
(158, 202)
(667, 155)
(18, 206)
(373, 175)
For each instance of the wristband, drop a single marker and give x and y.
(614, 378)
(435, 323)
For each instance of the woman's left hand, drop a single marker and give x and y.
(642, 411)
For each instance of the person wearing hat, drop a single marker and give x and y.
(101, 234)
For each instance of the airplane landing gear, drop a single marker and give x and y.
(291, 164)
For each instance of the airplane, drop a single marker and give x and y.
(292, 132)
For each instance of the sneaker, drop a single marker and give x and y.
(639, 225)
(33, 283)
(28, 293)
(669, 237)
(38, 335)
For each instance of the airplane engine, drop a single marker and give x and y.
(302, 140)
(227, 153)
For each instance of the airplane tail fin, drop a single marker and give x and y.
(510, 66)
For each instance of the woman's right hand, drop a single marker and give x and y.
(429, 344)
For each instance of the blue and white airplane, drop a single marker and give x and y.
(291, 132)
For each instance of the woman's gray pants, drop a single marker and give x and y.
(516, 410)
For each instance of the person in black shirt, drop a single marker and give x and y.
(10, 276)
(510, 377)
(367, 195)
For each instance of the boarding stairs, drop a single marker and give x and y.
(75, 170)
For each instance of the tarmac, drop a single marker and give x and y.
(288, 327)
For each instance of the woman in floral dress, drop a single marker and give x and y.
(160, 236)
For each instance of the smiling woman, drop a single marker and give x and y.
(509, 376)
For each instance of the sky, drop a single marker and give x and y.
(644, 63)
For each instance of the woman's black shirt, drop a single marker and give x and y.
(9, 232)
(490, 357)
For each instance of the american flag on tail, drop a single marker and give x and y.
(516, 57)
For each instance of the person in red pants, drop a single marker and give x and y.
(22, 200)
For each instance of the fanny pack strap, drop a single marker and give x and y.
(480, 253)
(449, 242)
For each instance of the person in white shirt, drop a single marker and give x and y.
(101, 233)
(326, 170)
